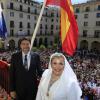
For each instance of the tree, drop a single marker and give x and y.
(42, 47)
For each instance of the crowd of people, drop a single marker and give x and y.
(3, 94)
(88, 73)
(86, 65)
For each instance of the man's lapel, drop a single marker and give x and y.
(31, 60)
(21, 59)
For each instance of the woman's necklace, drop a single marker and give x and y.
(52, 81)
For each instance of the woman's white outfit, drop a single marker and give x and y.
(65, 88)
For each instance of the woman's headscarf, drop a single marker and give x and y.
(67, 77)
(68, 71)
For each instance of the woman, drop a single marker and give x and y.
(58, 82)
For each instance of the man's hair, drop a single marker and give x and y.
(25, 38)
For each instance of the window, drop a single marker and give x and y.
(46, 27)
(77, 10)
(85, 33)
(28, 25)
(56, 20)
(51, 43)
(52, 14)
(46, 19)
(51, 26)
(11, 5)
(20, 0)
(85, 15)
(11, 14)
(52, 20)
(35, 18)
(11, 24)
(76, 16)
(46, 41)
(56, 27)
(11, 32)
(21, 7)
(40, 26)
(98, 7)
(45, 32)
(40, 32)
(25, 1)
(20, 15)
(97, 23)
(98, 15)
(35, 11)
(28, 16)
(57, 15)
(34, 25)
(28, 32)
(28, 9)
(46, 14)
(20, 25)
(85, 23)
(87, 9)
(20, 30)
(31, 3)
(97, 33)
(28, 2)
(51, 32)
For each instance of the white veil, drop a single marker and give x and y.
(67, 68)
(68, 74)
(67, 77)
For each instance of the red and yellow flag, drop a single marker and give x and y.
(69, 28)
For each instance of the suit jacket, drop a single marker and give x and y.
(21, 80)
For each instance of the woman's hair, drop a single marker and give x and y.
(57, 55)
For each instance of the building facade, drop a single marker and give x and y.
(21, 18)
(88, 19)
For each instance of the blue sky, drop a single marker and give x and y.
(73, 1)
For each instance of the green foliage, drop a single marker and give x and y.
(50, 47)
(56, 39)
(42, 47)
(34, 49)
(54, 45)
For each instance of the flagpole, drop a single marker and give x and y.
(37, 25)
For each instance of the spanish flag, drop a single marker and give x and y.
(69, 28)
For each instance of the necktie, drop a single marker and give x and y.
(26, 62)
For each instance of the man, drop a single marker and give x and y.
(25, 67)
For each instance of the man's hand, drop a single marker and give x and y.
(13, 94)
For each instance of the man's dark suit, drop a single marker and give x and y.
(24, 82)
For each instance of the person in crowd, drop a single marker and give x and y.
(24, 69)
(59, 82)
(3, 64)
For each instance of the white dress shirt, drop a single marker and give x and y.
(28, 58)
